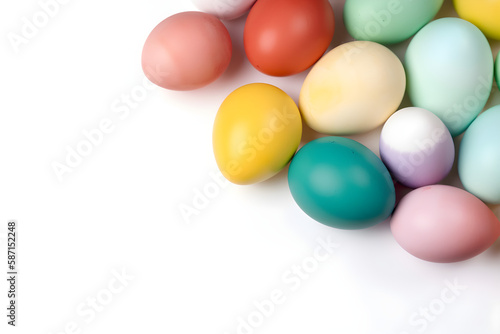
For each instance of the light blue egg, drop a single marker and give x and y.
(479, 157)
(449, 68)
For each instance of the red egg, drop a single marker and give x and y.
(187, 51)
(285, 37)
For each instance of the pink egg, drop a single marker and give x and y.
(441, 223)
(187, 51)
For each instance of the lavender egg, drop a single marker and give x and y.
(416, 147)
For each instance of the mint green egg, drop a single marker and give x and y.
(341, 183)
(449, 71)
(388, 21)
(479, 157)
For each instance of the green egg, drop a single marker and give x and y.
(449, 71)
(497, 69)
(341, 183)
(388, 21)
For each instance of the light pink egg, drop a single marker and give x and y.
(441, 223)
(187, 51)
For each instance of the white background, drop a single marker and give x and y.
(118, 210)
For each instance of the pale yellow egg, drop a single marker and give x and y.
(354, 88)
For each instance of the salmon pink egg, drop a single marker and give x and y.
(187, 51)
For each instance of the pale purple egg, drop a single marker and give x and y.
(416, 147)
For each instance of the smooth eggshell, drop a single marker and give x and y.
(388, 21)
(352, 89)
(285, 37)
(416, 147)
(186, 51)
(479, 158)
(484, 14)
(341, 183)
(256, 132)
(224, 9)
(441, 223)
(449, 68)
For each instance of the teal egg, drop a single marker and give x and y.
(341, 183)
(388, 21)
(479, 157)
(449, 71)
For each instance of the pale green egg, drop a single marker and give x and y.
(449, 71)
(388, 21)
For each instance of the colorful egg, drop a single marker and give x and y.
(256, 132)
(354, 88)
(416, 147)
(479, 158)
(187, 51)
(388, 21)
(484, 14)
(341, 183)
(497, 69)
(285, 37)
(224, 9)
(441, 223)
(449, 68)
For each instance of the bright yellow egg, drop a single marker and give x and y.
(484, 14)
(256, 132)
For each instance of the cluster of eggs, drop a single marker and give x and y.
(448, 73)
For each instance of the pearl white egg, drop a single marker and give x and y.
(224, 9)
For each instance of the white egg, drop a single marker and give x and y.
(224, 9)
(417, 147)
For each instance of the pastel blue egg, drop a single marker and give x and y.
(479, 157)
(449, 68)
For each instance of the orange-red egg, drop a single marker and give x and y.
(285, 37)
